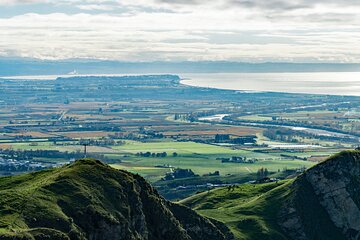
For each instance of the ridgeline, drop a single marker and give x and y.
(322, 204)
(90, 200)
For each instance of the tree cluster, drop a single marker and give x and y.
(150, 154)
(262, 173)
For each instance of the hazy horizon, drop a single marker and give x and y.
(25, 67)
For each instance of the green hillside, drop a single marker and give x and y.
(249, 210)
(90, 200)
(323, 203)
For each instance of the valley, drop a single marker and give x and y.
(153, 125)
(88, 199)
(179, 120)
(293, 208)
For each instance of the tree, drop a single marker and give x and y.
(266, 172)
(262, 173)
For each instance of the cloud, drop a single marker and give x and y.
(14, 2)
(243, 30)
(92, 7)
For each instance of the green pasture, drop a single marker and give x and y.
(205, 165)
(201, 158)
(249, 210)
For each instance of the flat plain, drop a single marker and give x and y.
(122, 121)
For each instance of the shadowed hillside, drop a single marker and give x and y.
(323, 203)
(90, 200)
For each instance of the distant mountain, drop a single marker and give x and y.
(21, 66)
(321, 204)
(90, 200)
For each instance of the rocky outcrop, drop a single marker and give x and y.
(89, 200)
(325, 201)
(197, 226)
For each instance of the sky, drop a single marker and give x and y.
(182, 30)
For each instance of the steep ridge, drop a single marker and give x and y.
(325, 203)
(90, 200)
(322, 204)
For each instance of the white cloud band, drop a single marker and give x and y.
(185, 30)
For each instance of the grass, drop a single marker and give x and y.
(22, 196)
(201, 158)
(152, 174)
(253, 211)
(208, 164)
(184, 148)
(248, 210)
(256, 118)
(85, 199)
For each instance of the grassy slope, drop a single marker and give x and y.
(17, 192)
(66, 198)
(250, 211)
(90, 199)
(23, 196)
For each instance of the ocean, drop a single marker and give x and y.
(332, 83)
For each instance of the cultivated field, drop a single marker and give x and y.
(123, 122)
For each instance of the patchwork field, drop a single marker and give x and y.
(122, 121)
(201, 158)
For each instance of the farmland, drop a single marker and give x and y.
(202, 157)
(153, 125)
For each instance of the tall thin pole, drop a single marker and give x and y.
(85, 150)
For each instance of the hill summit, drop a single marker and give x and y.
(91, 200)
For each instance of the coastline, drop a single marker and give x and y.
(319, 83)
